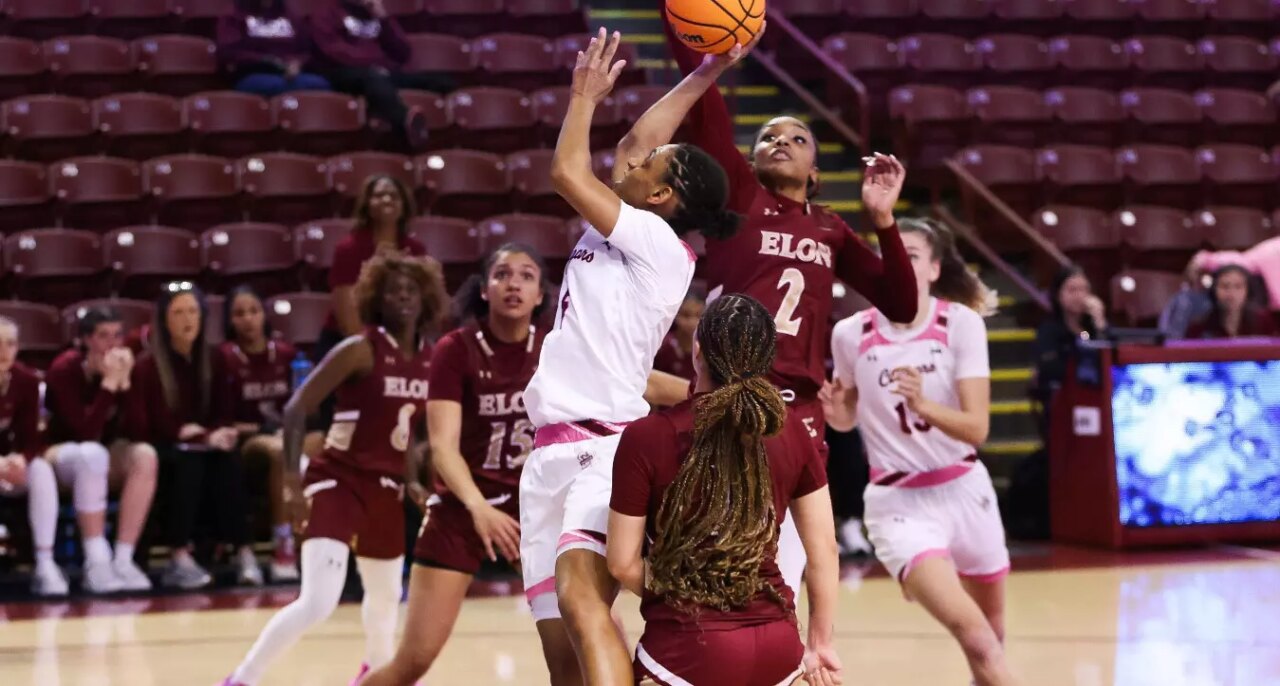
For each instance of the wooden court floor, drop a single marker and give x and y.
(1209, 620)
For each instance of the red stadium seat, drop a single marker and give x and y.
(298, 317)
(1036, 17)
(436, 110)
(1238, 174)
(493, 119)
(22, 68)
(314, 242)
(940, 59)
(136, 315)
(1087, 116)
(885, 17)
(407, 12)
(143, 258)
(466, 18)
(200, 17)
(1008, 171)
(1166, 61)
(567, 47)
(1238, 62)
(602, 162)
(1157, 237)
(1252, 17)
(39, 329)
(1237, 116)
(456, 243)
(442, 54)
(959, 17)
(193, 191)
(55, 266)
(1010, 115)
(1161, 115)
(546, 235)
(1160, 175)
(259, 255)
(25, 201)
(1013, 59)
(47, 127)
(98, 192)
(1084, 234)
(89, 66)
(1181, 18)
(320, 123)
(347, 174)
(1103, 17)
(465, 183)
(138, 125)
(285, 187)
(875, 60)
(130, 19)
(1091, 61)
(551, 104)
(530, 173)
(1080, 175)
(1139, 295)
(634, 101)
(178, 65)
(1233, 228)
(517, 60)
(230, 123)
(548, 18)
(930, 124)
(44, 19)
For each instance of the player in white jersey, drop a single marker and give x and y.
(921, 393)
(622, 287)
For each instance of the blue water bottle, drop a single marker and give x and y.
(299, 369)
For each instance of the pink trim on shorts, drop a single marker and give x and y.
(921, 557)
(936, 477)
(572, 432)
(987, 578)
(581, 539)
(541, 588)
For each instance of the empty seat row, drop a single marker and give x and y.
(230, 123)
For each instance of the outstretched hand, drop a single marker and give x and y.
(723, 61)
(882, 183)
(595, 71)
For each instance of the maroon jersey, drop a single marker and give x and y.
(487, 377)
(648, 458)
(20, 413)
(788, 254)
(673, 360)
(80, 409)
(375, 415)
(259, 381)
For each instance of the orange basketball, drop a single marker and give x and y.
(714, 26)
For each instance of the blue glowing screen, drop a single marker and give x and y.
(1197, 442)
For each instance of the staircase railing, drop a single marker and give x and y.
(988, 197)
(970, 235)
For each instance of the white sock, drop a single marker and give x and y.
(96, 551)
(42, 506)
(44, 558)
(380, 608)
(324, 573)
(124, 552)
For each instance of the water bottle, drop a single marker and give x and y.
(299, 369)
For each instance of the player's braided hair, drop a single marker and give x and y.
(718, 521)
(703, 188)
(955, 282)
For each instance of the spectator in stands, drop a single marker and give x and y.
(1186, 307)
(1077, 314)
(257, 366)
(265, 47)
(1232, 312)
(21, 466)
(1262, 259)
(676, 354)
(178, 403)
(85, 391)
(362, 50)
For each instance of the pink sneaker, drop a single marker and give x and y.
(364, 669)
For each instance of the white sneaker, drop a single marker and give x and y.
(48, 581)
(249, 573)
(185, 574)
(284, 565)
(132, 578)
(852, 540)
(100, 578)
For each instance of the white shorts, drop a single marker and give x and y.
(959, 519)
(564, 505)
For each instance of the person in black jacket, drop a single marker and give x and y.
(1077, 315)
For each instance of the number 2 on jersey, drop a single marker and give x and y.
(792, 279)
(905, 422)
(521, 440)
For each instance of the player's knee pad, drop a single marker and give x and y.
(94, 459)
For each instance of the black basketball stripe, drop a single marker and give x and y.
(729, 14)
(728, 35)
(748, 10)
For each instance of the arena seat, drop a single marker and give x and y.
(55, 266)
(200, 17)
(1165, 61)
(439, 118)
(1238, 62)
(90, 66)
(551, 104)
(130, 19)
(178, 65)
(1009, 115)
(348, 171)
(1171, 17)
(930, 123)
(139, 125)
(1100, 17)
(1160, 175)
(466, 18)
(45, 19)
(314, 243)
(875, 60)
(1086, 116)
(98, 192)
(455, 242)
(22, 68)
(298, 317)
(1237, 116)
(940, 59)
(42, 333)
(25, 198)
(958, 17)
(245, 253)
(465, 183)
(1236, 174)
(47, 127)
(1080, 175)
(1233, 228)
(1162, 115)
(1035, 17)
(1248, 17)
(320, 123)
(492, 119)
(229, 123)
(1093, 61)
(193, 191)
(530, 174)
(1015, 60)
(543, 233)
(1140, 295)
(517, 60)
(285, 187)
(442, 54)
(143, 258)
(1008, 171)
(1085, 234)
(885, 17)
(548, 18)
(1161, 238)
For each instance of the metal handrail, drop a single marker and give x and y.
(970, 235)
(1019, 222)
(860, 97)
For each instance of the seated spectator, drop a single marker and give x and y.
(675, 357)
(1077, 314)
(84, 393)
(1186, 307)
(178, 404)
(362, 50)
(258, 368)
(1232, 312)
(1262, 260)
(265, 47)
(22, 469)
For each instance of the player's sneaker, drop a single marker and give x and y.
(132, 578)
(47, 581)
(284, 564)
(248, 573)
(101, 578)
(852, 540)
(364, 671)
(185, 574)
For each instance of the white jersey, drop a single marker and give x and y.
(950, 345)
(618, 300)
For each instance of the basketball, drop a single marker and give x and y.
(715, 26)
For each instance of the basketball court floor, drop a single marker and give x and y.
(1076, 618)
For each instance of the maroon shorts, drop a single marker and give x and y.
(362, 509)
(809, 410)
(761, 655)
(448, 536)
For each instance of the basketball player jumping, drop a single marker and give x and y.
(922, 394)
(623, 285)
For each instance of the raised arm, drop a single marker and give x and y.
(888, 281)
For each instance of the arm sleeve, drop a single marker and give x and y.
(62, 397)
(326, 31)
(813, 471)
(711, 128)
(448, 366)
(887, 280)
(652, 250)
(969, 343)
(346, 266)
(394, 42)
(632, 469)
(844, 349)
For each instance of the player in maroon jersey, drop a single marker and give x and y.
(480, 436)
(22, 467)
(707, 484)
(355, 487)
(257, 365)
